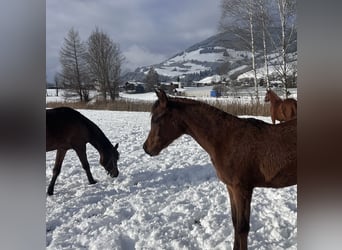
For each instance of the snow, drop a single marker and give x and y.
(149, 96)
(274, 67)
(237, 69)
(192, 61)
(195, 61)
(196, 55)
(211, 79)
(271, 70)
(171, 201)
(189, 68)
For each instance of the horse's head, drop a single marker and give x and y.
(109, 161)
(267, 96)
(165, 127)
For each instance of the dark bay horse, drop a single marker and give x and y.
(68, 129)
(281, 110)
(246, 153)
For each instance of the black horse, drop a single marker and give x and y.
(68, 129)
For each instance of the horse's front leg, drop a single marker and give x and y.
(82, 155)
(56, 169)
(240, 199)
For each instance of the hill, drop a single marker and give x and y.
(223, 53)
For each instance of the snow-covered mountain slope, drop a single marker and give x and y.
(224, 52)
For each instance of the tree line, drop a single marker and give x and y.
(91, 64)
(96, 63)
(254, 21)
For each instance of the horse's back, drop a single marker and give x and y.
(65, 128)
(62, 118)
(278, 155)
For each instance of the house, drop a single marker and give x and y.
(134, 87)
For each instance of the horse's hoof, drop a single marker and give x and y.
(92, 182)
(49, 193)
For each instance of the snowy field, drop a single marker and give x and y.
(171, 201)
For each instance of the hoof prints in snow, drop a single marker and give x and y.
(171, 201)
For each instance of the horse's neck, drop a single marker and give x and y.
(98, 139)
(206, 126)
(274, 98)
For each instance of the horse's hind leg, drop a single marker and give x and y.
(56, 170)
(81, 153)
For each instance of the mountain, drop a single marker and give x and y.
(223, 54)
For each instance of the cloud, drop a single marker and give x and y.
(136, 56)
(147, 31)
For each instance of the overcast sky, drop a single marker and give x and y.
(148, 31)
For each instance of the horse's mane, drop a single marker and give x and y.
(177, 102)
(96, 132)
(274, 94)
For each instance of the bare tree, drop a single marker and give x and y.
(105, 60)
(287, 14)
(240, 15)
(260, 17)
(263, 20)
(151, 80)
(74, 66)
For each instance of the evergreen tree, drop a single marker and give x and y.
(74, 66)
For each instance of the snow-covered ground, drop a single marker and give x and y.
(171, 201)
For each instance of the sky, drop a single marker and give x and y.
(147, 31)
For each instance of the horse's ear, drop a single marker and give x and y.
(162, 97)
(116, 146)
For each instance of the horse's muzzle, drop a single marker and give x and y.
(146, 150)
(113, 172)
(116, 174)
(150, 152)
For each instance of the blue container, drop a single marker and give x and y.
(213, 93)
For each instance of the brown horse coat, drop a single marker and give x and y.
(68, 129)
(281, 110)
(246, 153)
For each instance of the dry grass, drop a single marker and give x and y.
(118, 105)
(254, 108)
(237, 108)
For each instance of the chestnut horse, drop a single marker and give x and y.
(246, 153)
(68, 129)
(281, 110)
